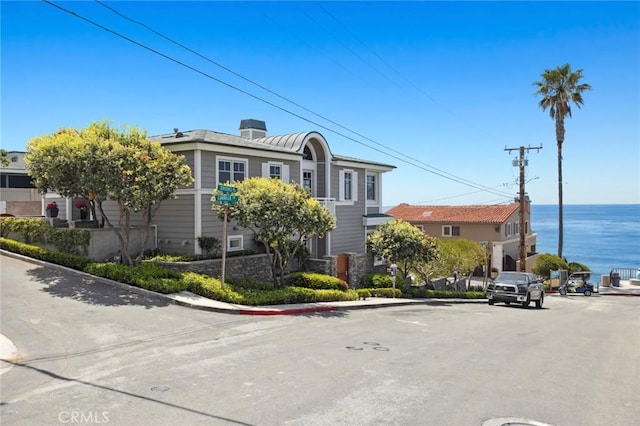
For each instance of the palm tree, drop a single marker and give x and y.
(558, 88)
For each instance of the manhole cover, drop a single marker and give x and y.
(160, 388)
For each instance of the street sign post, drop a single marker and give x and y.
(225, 199)
(227, 189)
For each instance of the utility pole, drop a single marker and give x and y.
(522, 163)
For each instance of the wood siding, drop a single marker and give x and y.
(348, 237)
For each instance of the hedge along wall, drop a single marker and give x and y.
(257, 267)
(254, 266)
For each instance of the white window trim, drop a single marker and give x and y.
(508, 230)
(284, 170)
(354, 187)
(376, 200)
(220, 158)
(235, 238)
(313, 180)
(450, 227)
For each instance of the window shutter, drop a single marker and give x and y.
(341, 185)
(354, 186)
(265, 170)
(285, 173)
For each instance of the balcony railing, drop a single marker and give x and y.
(329, 204)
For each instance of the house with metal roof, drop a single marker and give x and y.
(350, 188)
(497, 227)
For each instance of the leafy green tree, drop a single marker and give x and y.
(559, 88)
(547, 262)
(454, 255)
(282, 216)
(4, 161)
(102, 163)
(402, 243)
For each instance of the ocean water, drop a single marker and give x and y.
(602, 237)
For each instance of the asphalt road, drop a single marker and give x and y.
(89, 353)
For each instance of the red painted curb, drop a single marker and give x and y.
(297, 311)
(620, 294)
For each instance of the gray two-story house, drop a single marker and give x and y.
(350, 188)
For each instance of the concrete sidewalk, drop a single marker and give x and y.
(192, 300)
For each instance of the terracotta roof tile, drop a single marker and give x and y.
(454, 214)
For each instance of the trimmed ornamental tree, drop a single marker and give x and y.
(102, 163)
(547, 262)
(282, 216)
(454, 255)
(402, 243)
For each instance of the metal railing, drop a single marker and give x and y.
(624, 273)
(329, 204)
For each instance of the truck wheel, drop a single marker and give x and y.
(491, 302)
(525, 304)
(540, 301)
(587, 293)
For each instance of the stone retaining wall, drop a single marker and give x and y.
(242, 267)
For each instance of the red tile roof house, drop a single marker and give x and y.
(495, 226)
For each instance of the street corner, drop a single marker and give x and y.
(8, 354)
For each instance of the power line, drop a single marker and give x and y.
(394, 69)
(454, 178)
(439, 172)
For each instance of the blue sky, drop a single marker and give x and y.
(425, 85)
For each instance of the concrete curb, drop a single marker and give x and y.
(210, 305)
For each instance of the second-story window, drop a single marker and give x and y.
(231, 170)
(348, 186)
(450, 231)
(371, 187)
(275, 171)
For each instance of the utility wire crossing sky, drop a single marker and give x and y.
(451, 84)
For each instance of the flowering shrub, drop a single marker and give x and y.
(52, 205)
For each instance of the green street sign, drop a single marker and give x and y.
(226, 198)
(227, 189)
